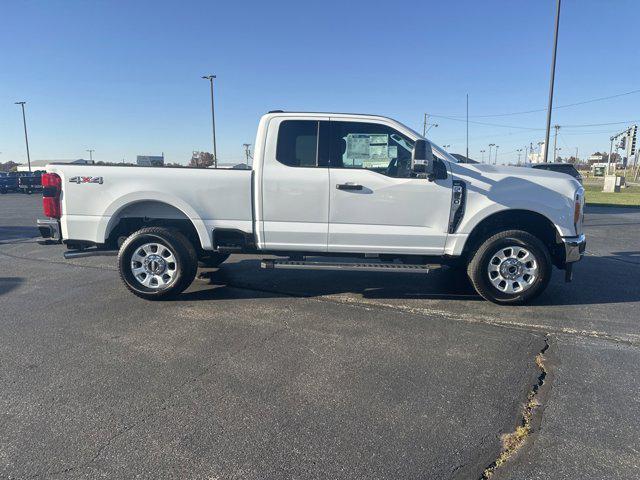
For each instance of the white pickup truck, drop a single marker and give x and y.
(324, 187)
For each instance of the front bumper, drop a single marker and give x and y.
(574, 248)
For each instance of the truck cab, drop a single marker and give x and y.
(345, 184)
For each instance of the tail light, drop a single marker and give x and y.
(51, 190)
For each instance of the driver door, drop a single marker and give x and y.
(375, 205)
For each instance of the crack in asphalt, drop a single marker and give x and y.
(479, 319)
(512, 442)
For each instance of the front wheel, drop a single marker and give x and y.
(157, 263)
(510, 268)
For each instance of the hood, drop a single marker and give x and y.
(559, 182)
(493, 187)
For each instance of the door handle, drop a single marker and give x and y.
(348, 186)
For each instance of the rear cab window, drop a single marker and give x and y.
(302, 143)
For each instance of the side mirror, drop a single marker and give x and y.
(422, 158)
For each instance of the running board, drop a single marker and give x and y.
(346, 266)
(89, 252)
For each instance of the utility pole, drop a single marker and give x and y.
(467, 126)
(91, 155)
(490, 145)
(553, 75)
(213, 120)
(426, 127)
(495, 162)
(555, 143)
(482, 152)
(26, 138)
(576, 156)
(247, 154)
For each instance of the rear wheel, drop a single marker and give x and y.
(157, 263)
(510, 268)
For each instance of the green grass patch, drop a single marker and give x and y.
(628, 197)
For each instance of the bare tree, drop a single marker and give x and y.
(201, 160)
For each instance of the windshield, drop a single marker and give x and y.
(442, 154)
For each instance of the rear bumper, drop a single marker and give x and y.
(574, 248)
(49, 229)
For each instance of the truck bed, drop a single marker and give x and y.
(94, 197)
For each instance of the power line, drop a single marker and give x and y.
(533, 128)
(487, 124)
(599, 124)
(599, 99)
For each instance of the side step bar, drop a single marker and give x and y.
(89, 252)
(348, 266)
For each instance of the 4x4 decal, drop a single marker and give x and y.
(79, 180)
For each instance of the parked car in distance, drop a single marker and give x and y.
(30, 182)
(321, 186)
(8, 183)
(560, 168)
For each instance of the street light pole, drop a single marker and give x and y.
(467, 126)
(553, 74)
(247, 152)
(426, 127)
(213, 120)
(91, 155)
(26, 137)
(495, 162)
(555, 143)
(482, 152)
(490, 145)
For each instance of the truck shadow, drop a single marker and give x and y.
(7, 284)
(17, 233)
(247, 274)
(597, 280)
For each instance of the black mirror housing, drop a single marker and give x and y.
(422, 157)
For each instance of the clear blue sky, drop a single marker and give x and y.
(123, 78)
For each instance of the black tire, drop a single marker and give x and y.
(183, 253)
(484, 282)
(213, 259)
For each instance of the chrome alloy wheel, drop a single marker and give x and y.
(154, 266)
(513, 269)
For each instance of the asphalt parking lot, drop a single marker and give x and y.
(273, 374)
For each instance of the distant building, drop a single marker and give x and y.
(41, 164)
(150, 160)
(538, 157)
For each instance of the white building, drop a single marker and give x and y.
(41, 164)
(150, 160)
(537, 157)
